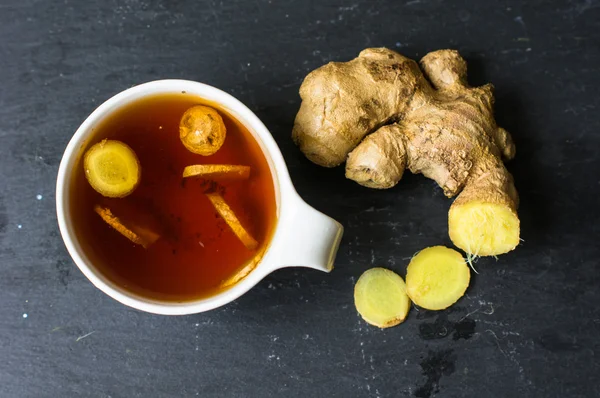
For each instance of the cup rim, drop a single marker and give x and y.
(279, 173)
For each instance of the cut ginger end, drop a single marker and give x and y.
(137, 234)
(232, 221)
(483, 229)
(112, 168)
(380, 298)
(437, 277)
(217, 171)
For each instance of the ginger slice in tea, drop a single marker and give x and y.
(202, 130)
(112, 168)
(242, 273)
(217, 171)
(139, 234)
(232, 221)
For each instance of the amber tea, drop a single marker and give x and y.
(173, 198)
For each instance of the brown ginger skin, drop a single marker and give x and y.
(443, 129)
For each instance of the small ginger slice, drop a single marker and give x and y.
(437, 277)
(112, 168)
(242, 273)
(217, 171)
(202, 130)
(232, 221)
(380, 298)
(135, 233)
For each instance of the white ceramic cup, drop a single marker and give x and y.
(303, 236)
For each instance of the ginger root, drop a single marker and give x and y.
(380, 298)
(112, 168)
(202, 130)
(440, 127)
(437, 277)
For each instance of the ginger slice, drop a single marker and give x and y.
(217, 171)
(137, 234)
(437, 277)
(202, 130)
(232, 221)
(112, 168)
(380, 298)
(242, 273)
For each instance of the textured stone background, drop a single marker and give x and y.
(529, 325)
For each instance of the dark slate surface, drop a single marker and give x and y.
(529, 325)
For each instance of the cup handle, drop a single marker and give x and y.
(309, 238)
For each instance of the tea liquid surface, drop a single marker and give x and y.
(198, 250)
